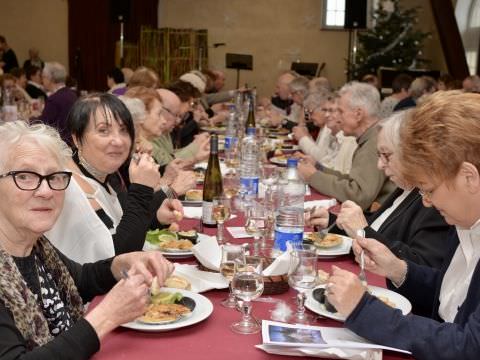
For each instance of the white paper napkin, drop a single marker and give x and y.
(280, 265)
(327, 203)
(209, 253)
(238, 232)
(200, 280)
(204, 164)
(192, 212)
(329, 353)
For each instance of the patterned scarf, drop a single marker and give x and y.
(20, 300)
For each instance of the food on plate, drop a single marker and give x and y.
(322, 277)
(158, 313)
(174, 227)
(280, 158)
(330, 240)
(319, 295)
(386, 300)
(177, 282)
(191, 235)
(157, 236)
(194, 195)
(278, 152)
(174, 244)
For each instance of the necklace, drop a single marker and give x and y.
(100, 175)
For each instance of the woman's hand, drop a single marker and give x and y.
(306, 170)
(379, 259)
(300, 132)
(344, 290)
(351, 218)
(144, 171)
(171, 210)
(319, 217)
(203, 148)
(184, 181)
(126, 301)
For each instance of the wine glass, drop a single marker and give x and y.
(301, 277)
(231, 183)
(269, 175)
(220, 213)
(247, 286)
(256, 222)
(233, 257)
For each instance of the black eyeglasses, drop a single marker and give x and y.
(170, 112)
(385, 157)
(30, 180)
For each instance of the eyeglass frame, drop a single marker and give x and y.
(171, 113)
(428, 194)
(13, 174)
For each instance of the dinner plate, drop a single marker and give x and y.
(278, 161)
(172, 253)
(342, 249)
(400, 301)
(203, 309)
(191, 203)
(214, 129)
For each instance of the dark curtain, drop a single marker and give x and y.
(92, 34)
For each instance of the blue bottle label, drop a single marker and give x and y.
(230, 141)
(282, 237)
(250, 184)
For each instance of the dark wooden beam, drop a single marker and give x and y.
(450, 38)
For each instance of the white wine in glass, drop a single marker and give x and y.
(220, 213)
(227, 269)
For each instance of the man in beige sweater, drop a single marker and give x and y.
(365, 184)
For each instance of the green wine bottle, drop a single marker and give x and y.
(212, 185)
(251, 114)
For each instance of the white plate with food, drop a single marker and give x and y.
(202, 310)
(193, 197)
(338, 245)
(389, 297)
(279, 160)
(173, 252)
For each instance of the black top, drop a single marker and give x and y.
(404, 104)
(185, 134)
(282, 104)
(35, 92)
(411, 232)
(10, 60)
(80, 341)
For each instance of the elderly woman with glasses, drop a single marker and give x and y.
(439, 154)
(410, 230)
(42, 292)
(102, 216)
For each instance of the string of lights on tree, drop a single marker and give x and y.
(393, 42)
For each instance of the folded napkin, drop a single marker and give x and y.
(328, 353)
(200, 281)
(327, 203)
(280, 265)
(204, 164)
(208, 253)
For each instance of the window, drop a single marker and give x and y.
(467, 13)
(333, 14)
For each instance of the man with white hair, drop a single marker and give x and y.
(59, 101)
(358, 107)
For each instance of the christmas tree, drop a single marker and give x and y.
(393, 42)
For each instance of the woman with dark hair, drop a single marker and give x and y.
(100, 215)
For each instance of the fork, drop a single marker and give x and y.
(362, 276)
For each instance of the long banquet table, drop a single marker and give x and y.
(212, 338)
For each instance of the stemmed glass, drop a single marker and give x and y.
(247, 286)
(269, 175)
(301, 277)
(231, 183)
(233, 258)
(256, 222)
(221, 213)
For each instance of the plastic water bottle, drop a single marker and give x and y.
(293, 187)
(231, 131)
(249, 171)
(289, 225)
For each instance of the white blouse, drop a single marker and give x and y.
(384, 216)
(459, 273)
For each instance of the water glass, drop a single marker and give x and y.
(247, 286)
(301, 276)
(233, 257)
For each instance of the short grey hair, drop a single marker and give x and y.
(391, 126)
(136, 107)
(422, 85)
(19, 132)
(317, 99)
(299, 84)
(362, 95)
(56, 72)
